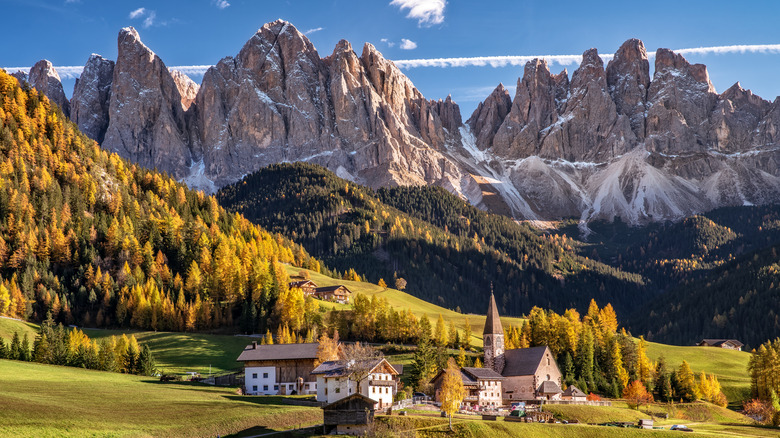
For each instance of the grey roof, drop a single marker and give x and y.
(279, 352)
(549, 387)
(719, 342)
(482, 373)
(359, 399)
(339, 368)
(302, 283)
(523, 361)
(493, 321)
(399, 367)
(574, 391)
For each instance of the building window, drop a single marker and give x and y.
(276, 387)
(338, 390)
(254, 375)
(548, 377)
(254, 388)
(265, 375)
(326, 391)
(548, 361)
(265, 387)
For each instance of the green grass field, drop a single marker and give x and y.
(729, 366)
(176, 353)
(402, 301)
(51, 401)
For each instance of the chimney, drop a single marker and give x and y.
(254, 345)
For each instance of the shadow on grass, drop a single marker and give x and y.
(190, 386)
(260, 430)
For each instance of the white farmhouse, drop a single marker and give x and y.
(339, 379)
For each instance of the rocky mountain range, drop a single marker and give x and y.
(608, 142)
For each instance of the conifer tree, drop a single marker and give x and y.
(16, 347)
(466, 341)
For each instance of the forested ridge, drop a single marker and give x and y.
(449, 252)
(714, 274)
(92, 240)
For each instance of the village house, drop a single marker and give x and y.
(350, 415)
(529, 373)
(337, 379)
(572, 393)
(339, 294)
(482, 386)
(307, 286)
(279, 369)
(730, 344)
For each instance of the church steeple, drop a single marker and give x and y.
(493, 338)
(493, 321)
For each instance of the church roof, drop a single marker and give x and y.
(493, 321)
(523, 361)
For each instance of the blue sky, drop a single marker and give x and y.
(196, 32)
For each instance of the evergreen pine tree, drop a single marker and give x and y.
(16, 347)
(146, 365)
(24, 351)
(3, 352)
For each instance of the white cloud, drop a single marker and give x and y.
(407, 44)
(503, 61)
(137, 13)
(221, 4)
(316, 29)
(149, 20)
(426, 12)
(388, 42)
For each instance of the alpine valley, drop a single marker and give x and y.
(670, 183)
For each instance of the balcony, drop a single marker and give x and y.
(390, 383)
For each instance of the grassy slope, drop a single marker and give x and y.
(402, 301)
(729, 366)
(46, 400)
(173, 352)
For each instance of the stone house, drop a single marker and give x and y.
(482, 385)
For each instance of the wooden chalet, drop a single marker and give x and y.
(307, 286)
(729, 344)
(351, 415)
(338, 293)
(279, 369)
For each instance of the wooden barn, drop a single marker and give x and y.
(351, 415)
(729, 344)
(339, 294)
(279, 369)
(307, 286)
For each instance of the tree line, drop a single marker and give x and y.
(597, 357)
(57, 345)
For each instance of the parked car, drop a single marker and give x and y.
(421, 395)
(681, 427)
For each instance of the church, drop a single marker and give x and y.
(529, 373)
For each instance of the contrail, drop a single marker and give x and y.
(72, 72)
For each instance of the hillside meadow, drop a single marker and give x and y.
(402, 301)
(53, 401)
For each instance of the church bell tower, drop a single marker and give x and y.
(493, 338)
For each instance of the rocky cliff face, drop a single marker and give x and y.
(146, 119)
(278, 100)
(609, 142)
(92, 97)
(44, 78)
